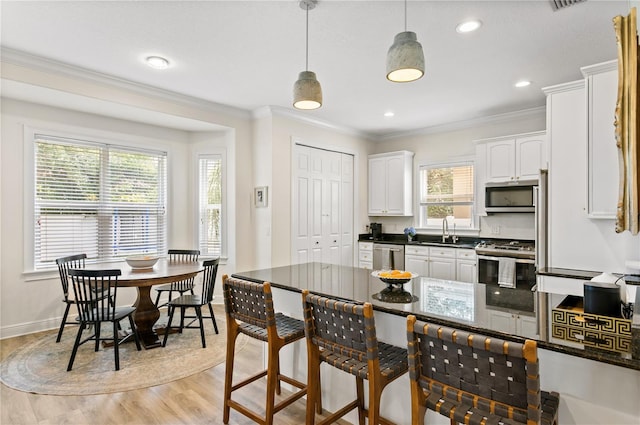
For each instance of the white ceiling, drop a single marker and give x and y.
(248, 54)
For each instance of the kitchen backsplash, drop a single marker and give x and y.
(501, 226)
(508, 226)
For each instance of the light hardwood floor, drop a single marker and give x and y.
(193, 400)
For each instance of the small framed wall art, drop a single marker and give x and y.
(261, 196)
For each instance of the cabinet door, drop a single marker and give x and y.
(602, 164)
(500, 161)
(530, 157)
(442, 268)
(466, 271)
(395, 185)
(501, 321)
(527, 327)
(377, 186)
(416, 264)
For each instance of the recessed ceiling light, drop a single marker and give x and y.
(468, 26)
(389, 114)
(523, 83)
(157, 62)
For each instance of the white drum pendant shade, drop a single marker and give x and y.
(405, 58)
(307, 93)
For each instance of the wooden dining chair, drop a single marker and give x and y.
(95, 294)
(474, 379)
(343, 335)
(249, 310)
(196, 302)
(64, 264)
(180, 286)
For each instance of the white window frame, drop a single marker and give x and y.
(30, 131)
(448, 164)
(217, 154)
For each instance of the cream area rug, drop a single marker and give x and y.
(40, 367)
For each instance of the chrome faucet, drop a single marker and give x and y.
(454, 238)
(445, 230)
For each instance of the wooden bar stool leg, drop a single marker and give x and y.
(418, 404)
(273, 369)
(375, 391)
(360, 398)
(318, 392)
(313, 389)
(232, 334)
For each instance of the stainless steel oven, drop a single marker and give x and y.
(508, 272)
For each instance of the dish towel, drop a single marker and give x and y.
(507, 272)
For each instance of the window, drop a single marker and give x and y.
(104, 200)
(210, 179)
(446, 190)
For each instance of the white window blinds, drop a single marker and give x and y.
(210, 234)
(104, 200)
(446, 191)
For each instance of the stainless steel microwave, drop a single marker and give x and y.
(511, 197)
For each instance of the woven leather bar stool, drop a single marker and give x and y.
(474, 379)
(249, 310)
(343, 335)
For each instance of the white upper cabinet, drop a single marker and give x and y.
(602, 160)
(391, 184)
(518, 157)
(501, 165)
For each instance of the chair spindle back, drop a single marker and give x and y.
(95, 293)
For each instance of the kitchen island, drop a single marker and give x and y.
(595, 386)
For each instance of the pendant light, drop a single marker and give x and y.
(405, 59)
(307, 93)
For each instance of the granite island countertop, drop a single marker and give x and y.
(450, 303)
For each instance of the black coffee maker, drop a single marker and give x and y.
(376, 230)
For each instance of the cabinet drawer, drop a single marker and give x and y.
(366, 256)
(366, 265)
(365, 246)
(442, 252)
(466, 254)
(416, 250)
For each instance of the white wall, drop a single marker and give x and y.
(263, 176)
(449, 143)
(285, 130)
(278, 131)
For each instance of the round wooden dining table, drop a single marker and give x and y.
(164, 271)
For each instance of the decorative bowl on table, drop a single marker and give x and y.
(142, 261)
(395, 277)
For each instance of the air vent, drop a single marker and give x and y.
(561, 4)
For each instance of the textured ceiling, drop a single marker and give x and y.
(248, 54)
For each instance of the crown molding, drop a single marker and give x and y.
(316, 122)
(599, 67)
(559, 88)
(38, 63)
(463, 124)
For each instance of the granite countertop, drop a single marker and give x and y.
(630, 279)
(456, 304)
(429, 240)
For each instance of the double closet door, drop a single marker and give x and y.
(322, 206)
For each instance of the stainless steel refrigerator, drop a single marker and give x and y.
(542, 255)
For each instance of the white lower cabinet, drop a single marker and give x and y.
(441, 262)
(416, 259)
(365, 255)
(512, 323)
(466, 266)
